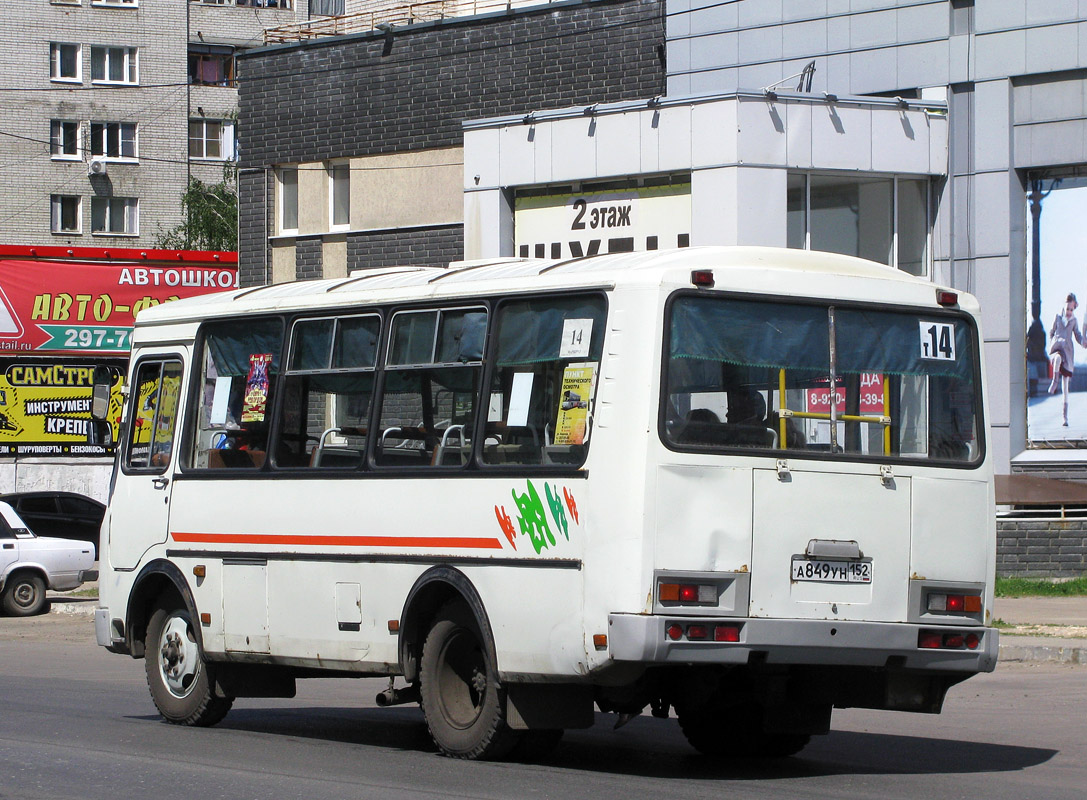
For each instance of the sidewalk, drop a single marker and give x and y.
(1043, 628)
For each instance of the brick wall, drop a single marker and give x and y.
(1046, 548)
(307, 259)
(431, 246)
(368, 94)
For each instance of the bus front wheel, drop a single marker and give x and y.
(462, 701)
(176, 673)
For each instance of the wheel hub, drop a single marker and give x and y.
(178, 658)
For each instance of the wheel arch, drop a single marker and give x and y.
(18, 567)
(432, 590)
(157, 578)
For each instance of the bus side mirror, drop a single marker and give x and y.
(100, 431)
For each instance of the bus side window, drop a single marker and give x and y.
(547, 356)
(327, 391)
(432, 378)
(240, 366)
(154, 415)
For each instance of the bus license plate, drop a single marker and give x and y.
(808, 569)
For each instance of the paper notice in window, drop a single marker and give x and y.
(572, 426)
(576, 335)
(219, 400)
(520, 399)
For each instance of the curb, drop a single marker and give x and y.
(1043, 653)
(74, 609)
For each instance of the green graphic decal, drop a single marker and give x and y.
(558, 512)
(532, 518)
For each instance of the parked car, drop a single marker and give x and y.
(65, 515)
(29, 564)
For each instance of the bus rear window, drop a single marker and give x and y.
(820, 379)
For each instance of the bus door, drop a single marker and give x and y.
(830, 545)
(141, 506)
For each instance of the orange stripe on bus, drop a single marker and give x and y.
(348, 541)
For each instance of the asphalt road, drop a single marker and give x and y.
(77, 722)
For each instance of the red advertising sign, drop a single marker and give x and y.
(88, 308)
(871, 401)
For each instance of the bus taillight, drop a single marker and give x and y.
(942, 640)
(687, 593)
(726, 633)
(955, 603)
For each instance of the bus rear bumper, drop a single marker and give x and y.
(645, 639)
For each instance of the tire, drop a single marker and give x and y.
(463, 703)
(24, 595)
(736, 732)
(177, 674)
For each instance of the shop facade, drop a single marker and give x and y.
(63, 313)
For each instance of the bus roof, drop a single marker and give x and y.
(505, 275)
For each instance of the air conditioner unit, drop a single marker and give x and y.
(96, 166)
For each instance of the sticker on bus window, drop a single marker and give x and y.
(937, 340)
(576, 335)
(572, 424)
(256, 388)
(494, 407)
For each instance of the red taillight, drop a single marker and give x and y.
(946, 298)
(953, 641)
(956, 602)
(675, 632)
(929, 640)
(688, 593)
(702, 277)
(726, 633)
(972, 641)
(697, 632)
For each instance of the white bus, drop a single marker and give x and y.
(741, 486)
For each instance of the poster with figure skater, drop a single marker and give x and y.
(1056, 341)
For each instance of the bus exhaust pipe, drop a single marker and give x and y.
(396, 697)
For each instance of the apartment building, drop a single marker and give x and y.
(109, 106)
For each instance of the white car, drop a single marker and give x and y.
(29, 564)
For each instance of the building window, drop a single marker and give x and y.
(211, 67)
(211, 139)
(117, 216)
(128, 3)
(65, 62)
(114, 140)
(883, 219)
(339, 195)
(288, 200)
(64, 139)
(286, 4)
(65, 212)
(114, 65)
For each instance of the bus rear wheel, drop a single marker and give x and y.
(737, 732)
(176, 672)
(462, 701)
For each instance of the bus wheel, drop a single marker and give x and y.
(24, 596)
(736, 732)
(176, 673)
(463, 704)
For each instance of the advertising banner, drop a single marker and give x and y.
(588, 223)
(84, 308)
(1056, 347)
(45, 407)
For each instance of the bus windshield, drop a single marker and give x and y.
(743, 373)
